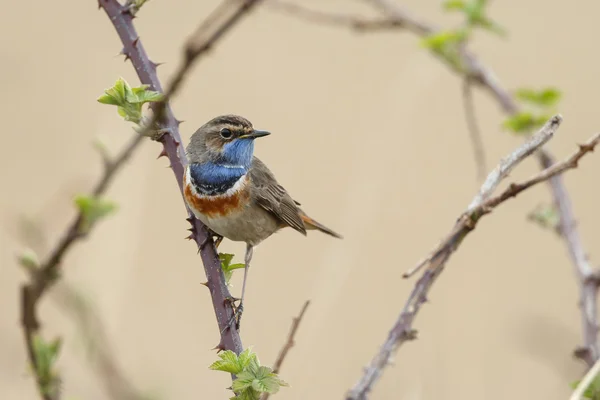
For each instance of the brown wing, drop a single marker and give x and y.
(271, 196)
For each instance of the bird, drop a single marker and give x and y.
(234, 194)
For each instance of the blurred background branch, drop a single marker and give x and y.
(41, 355)
(434, 263)
(451, 48)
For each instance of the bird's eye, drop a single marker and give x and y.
(225, 133)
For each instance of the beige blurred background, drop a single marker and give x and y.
(368, 133)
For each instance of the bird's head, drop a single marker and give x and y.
(226, 140)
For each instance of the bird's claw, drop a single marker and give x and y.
(237, 313)
(211, 235)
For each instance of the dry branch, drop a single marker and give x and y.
(435, 262)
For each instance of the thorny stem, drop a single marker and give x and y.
(168, 127)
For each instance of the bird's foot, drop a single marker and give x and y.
(211, 235)
(237, 313)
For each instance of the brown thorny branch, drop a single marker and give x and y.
(163, 120)
(289, 343)
(45, 276)
(475, 73)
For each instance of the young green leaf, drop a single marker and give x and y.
(115, 95)
(129, 101)
(92, 209)
(46, 355)
(242, 382)
(440, 41)
(29, 260)
(267, 381)
(546, 97)
(454, 5)
(229, 362)
(227, 267)
(524, 122)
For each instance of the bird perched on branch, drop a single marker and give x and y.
(234, 193)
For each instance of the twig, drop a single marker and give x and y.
(171, 139)
(321, 17)
(290, 342)
(434, 264)
(508, 164)
(45, 276)
(473, 128)
(502, 170)
(586, 381)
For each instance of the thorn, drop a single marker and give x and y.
(124, 52)
(190, 219)
(220, 347)
(135, 41)
(204, 283)
(163, 153)
(584, 148)
(155, 65)
(189, 237)
(179, 122)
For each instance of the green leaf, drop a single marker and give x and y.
(143, 95)
(29, 260)
(93, 209)
(229, 363)
(440, 40)
(46, 355)
(267, 381)
(452, 5)
(129, 101)
(545, 97)
(243, 381)
(524, 122)
(115, 95)
(227, 267)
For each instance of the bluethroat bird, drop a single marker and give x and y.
(234, 193)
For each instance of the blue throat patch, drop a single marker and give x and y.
(212, 179)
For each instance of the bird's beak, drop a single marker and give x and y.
(255, 134)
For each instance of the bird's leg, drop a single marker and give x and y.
(237, 314)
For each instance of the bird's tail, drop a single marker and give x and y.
(310, 223)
